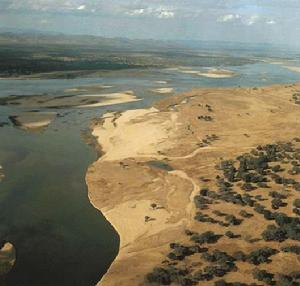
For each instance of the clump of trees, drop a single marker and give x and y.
(287, 227)
(231, 235)
(219, 213)
(264, 276)
(168, 275)
(293, 249)
(288, 280)
(274, 233)
(179, 252)
(231, 219)
(205, 118)
(277, 203)
(160, 276)
(276, 195)
(248, 187)
(205, 218)
(261, 255)
(207, 237)
(201, 201)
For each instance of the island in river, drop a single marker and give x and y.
(203, 188)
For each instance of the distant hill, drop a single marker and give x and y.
(116, 44)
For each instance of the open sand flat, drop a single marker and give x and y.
(152, 205)
(163, 90)
(293, 68)
(88, 88)
(211, 73)
(80, 99)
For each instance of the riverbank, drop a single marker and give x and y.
(151, 205)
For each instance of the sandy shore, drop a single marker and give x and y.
(149, 206)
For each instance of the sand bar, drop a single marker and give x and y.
(164, 90)
(293, 68)
(33, 120)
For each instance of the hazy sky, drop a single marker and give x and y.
(233, 20)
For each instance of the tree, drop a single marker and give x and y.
(273, 233)
(160, 276)
(264, 276)
(261, 255)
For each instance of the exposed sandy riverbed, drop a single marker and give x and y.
(151, 207)
(82, 98)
